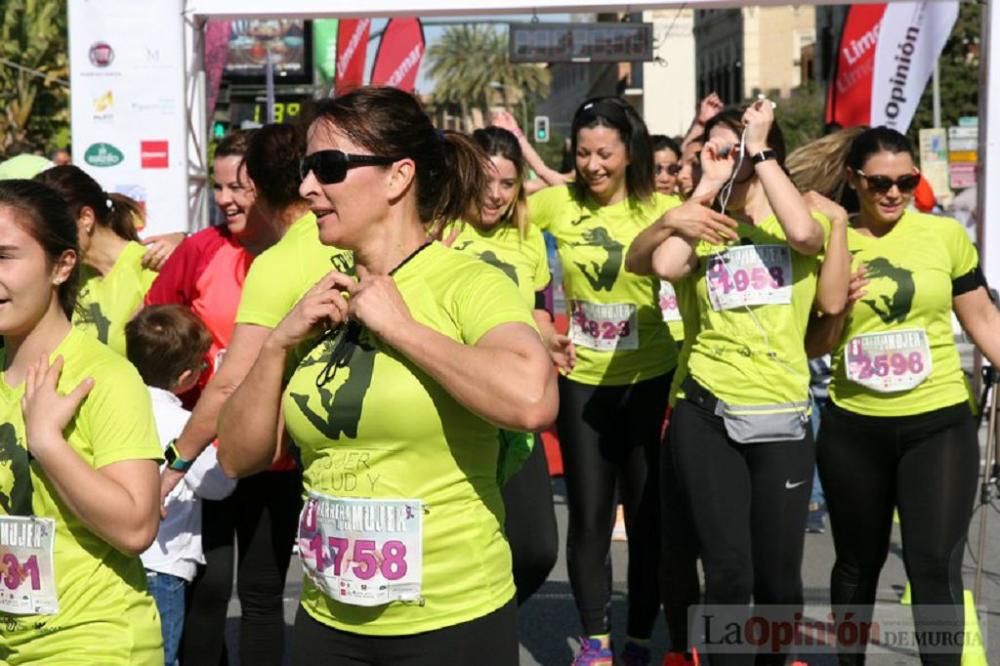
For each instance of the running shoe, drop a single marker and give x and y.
(635, 655)
(815, 521)
(592, 653)
(618, 533)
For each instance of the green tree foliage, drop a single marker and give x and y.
(959, 80)
(801, 116)
(470, 66)
(34, 105)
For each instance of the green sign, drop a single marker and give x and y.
(103, 155)
(325, 47)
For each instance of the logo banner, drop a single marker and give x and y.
(848, 99)
(399, 54)
(352, 50)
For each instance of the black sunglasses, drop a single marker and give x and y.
(672, 169)
(330, 166)
(882, 184)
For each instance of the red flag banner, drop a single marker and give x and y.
(352, 50)
(849, 97)
(399, 54)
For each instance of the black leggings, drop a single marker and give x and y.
(609, 435)
(531, 523)
(748, 503)
(261, 516)
(927, 466)
(679, 582)
(490, 640)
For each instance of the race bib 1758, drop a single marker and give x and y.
(363, 552)
(749, 275)
(27, 572)
(604, 326)
(889, 362)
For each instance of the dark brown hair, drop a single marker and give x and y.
(451, 180)
(234, 144)
(79, 190)
(46, 217)
(732, 117)
(272, 160)
(162, 341)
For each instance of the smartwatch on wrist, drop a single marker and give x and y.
(764, 155)
(174, 459)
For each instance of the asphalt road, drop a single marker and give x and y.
(549, 624)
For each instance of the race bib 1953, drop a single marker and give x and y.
(749, 275)
(889, 362)
(604, 326)
(362, 552)
(27, 572)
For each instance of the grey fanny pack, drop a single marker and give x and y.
(753, 424)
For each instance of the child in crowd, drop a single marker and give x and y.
(168, 345)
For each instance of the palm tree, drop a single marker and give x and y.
(470, 63)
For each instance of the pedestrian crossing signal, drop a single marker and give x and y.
(541, 129)
(218, 129)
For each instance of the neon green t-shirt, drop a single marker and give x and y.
(522, 259)
(615, 319)
(284, 272)
(107, 302)
(382, 428)
(909, 271)
(687, 306)
(105, 616)
(752, 318)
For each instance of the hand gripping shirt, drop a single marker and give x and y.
(615, 319)
(105, 616)
(910, 272)
(284, 272)
(521, 258)
(107, 302)
(378, 428)
(754, 299)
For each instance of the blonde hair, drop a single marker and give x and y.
(820, 165)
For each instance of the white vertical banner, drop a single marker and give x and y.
(910, 39)
(127, 103)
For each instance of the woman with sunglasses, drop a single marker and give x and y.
(615, 368)
(393, 386)
(503, 237)
(666, 163)
(741, 451)
(78, 458)
(899, 431)
(256, 190)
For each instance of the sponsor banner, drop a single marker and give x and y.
(352, 51)
(216, 52)
(848, 100)
(127, 103)
(399, 54)
(910, 40)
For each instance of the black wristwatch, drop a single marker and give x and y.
(764, 155)
(174, 459)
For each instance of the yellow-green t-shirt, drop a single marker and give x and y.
(382, 428)
(107, 302)
(910, 272)
(615, 319)
(687, 305)
(521, 258)
(284, 272)
(105, 615)
(754, 354)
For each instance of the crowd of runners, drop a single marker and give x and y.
(356, 365)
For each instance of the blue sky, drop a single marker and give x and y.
(434, 32)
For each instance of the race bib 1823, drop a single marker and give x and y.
(889, 362)
(749, 275)
(604, 326)
(363, 552)
(27, 572)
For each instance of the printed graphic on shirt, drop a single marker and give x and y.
(492, 259)
(601, 275)
(15, 474)
(93, 315)
(351, 349)
(892, 287)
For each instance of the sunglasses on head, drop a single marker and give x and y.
(672, 169)
(330, 166)
(882, 184)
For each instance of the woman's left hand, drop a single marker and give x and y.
(376, 303)
(46, 412)
(159, 249)
(758, 119)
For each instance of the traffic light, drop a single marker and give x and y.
(218, 129)
(541, 129)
